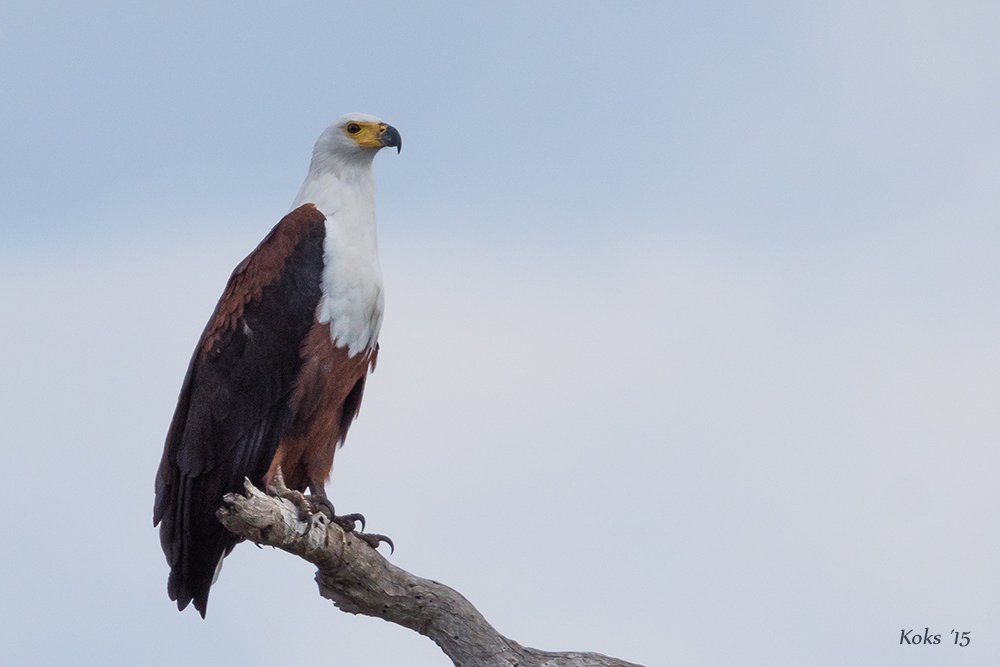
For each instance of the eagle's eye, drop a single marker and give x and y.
(353, 128)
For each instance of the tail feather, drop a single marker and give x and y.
(194, 543)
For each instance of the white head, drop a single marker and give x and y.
(352, 139)
(341, 167)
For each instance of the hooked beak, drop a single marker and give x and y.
(390, 137)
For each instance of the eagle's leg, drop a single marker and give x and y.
(317, 497)
(279, 489)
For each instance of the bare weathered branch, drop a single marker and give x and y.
(360, 581)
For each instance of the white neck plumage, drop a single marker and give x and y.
(352, 302)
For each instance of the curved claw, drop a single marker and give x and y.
(347, 521)
(374, 539)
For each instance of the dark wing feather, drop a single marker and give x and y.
(234, 403)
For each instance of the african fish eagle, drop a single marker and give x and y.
(278, 374)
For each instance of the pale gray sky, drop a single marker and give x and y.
(690, 353)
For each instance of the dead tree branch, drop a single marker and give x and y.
(360, 581)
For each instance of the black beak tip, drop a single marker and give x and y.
(391, 138)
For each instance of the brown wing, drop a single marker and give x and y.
(234, 403)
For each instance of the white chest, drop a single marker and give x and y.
(352, 300)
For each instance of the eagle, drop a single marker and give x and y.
(279, 372)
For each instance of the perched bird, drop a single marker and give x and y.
(278, 374)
